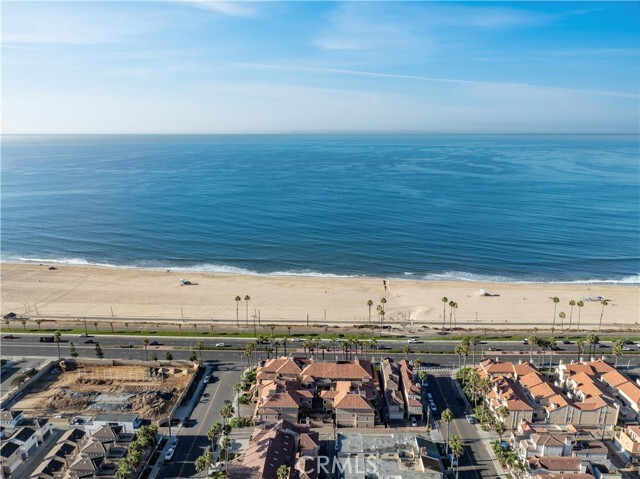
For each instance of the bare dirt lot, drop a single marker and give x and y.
(88, 389)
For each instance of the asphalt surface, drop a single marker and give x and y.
(192, 440)
(475, 462)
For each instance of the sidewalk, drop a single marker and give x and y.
(183, 412)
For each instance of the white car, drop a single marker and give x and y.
(412, 341)
(206, 380)
(627, 348)
(430, 396)
(220, 345)
(169, 455)
(295, 340)
(434, 408)
(219, 466)
(414, 423)
(470, 419)
(84, 335)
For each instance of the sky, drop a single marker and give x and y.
(298, 67)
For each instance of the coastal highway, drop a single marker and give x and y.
(29, 345)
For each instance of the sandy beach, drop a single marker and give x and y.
(74, 291)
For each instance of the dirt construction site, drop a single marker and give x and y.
(86, 389)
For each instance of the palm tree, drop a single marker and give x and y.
(406, 350)
(126, 325)
(369, 303)
(617, 349)
(200, 345)
(168, 356)
(214, 433)
(204, 462)
(604, 303)
(503, 413)
(95, 325)
(457, 448)
(562, 315)
(455, 319)
(7, 323)
(473, 342)
(383, 301)
(238, 299)
(247, 298)
(56, 337)
(283, 472)
(447, 416)
(579, 304)
(533, 341)
(145, 341)
(572, 303)
(593, 339)
(99, 352)
(555, 300)
(580, 346)
(39, 322)
(226, 443)
(227, 412)
(451, 304)
(423, 376)
(445, 301)
(24, 324)
(72, 351)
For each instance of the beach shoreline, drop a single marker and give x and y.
(34, 290)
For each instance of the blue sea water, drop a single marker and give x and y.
(502, 208)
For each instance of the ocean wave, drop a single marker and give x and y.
(229, 269)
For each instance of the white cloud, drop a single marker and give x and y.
(231, 8)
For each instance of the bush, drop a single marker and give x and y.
(241, 422)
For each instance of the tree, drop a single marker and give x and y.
(451, 305)
(503, 413)
(238, 299)
(369, 303)
(562, 315)
(168, 356)
(111, 324)
(154, 356)
(455, 319)
(214, 433)
(200, 345)
(95, 325)
(145, 341)
(99, 353)
(7, 323)
(247, 298)
(204, 462)
(126, 325)
(39, 322)
(572, 303)
(457, 448)
(604, 303)
(72, 351)
(593, 339)
(533, 341)
(56, 337)
(473, 342)
(24, 324)
(445, 301)
(555, 301)
(447, 416)
(617, 349)
(193, 357)
(383, 302)
(579, 304)
(227, 412)
(283, 472)
(406, 350)
(226, 443)
(580, 346)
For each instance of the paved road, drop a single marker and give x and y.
(192, 441)
(12, 371)
(476, 462)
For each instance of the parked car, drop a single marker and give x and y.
(470, 419)
(220, 345)
(169, 455)
(10, 315)
(454, 460)
(206, 380)
(414, 423)
(430, 396)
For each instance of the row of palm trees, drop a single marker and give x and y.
(217, 429)
(572, 303)
(247, 298)
(453, 443)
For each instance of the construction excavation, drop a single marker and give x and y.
(72, 388)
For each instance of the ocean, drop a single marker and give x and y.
(429, 207)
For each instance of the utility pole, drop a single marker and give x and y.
(85, 327)
(111, 311)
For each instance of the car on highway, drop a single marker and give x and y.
(9, 336)
(627, 348)
(169, 455)
(555, 348)
(602, 345)
(566, 341)
(412, 341)
(154, 343)
(494, 349)
(295, 340)
(525, 341)
(189, 422)
(220, 345)
(414, 423)
(84, 335)
(470, 419)
(89, 341)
